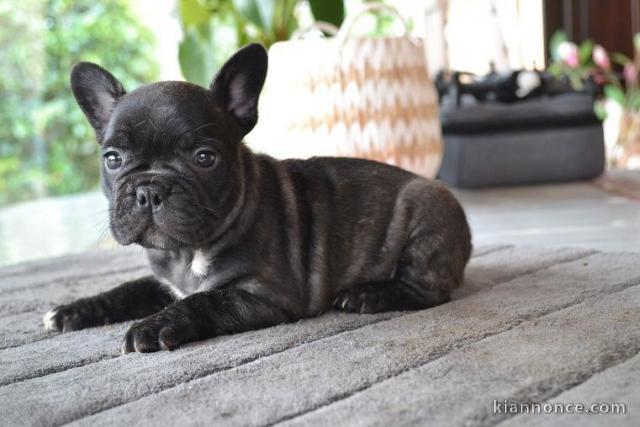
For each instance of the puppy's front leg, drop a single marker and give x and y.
(202, 315)
(131, 300)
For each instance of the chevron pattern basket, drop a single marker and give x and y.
(360, 97)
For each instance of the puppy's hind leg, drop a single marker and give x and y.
(424, 278)
(375, 297)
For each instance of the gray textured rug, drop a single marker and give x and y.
(530, 325)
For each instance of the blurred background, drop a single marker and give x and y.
(50, 202)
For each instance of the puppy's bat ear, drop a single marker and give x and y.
(236, 87)
(96, 91)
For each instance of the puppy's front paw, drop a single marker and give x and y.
(67, 318)
(159, 332)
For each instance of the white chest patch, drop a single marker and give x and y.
(199, 264)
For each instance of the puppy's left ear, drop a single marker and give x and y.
(96, 91)
(236, 87)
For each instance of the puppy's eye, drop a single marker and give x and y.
(112, 160)
(204, 158)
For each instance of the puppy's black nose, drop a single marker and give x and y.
(148, 197)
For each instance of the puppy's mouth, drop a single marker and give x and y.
(170, 228)
(149, 233)
(139, 229)
(154, 237)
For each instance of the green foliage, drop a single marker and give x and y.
(557, 38)
(331, 11)
(46, 145)
(600, 109)
(576, 72)
(615, 93)
(621, 88)
(214, 29)
(585, 52)
(620, 58)
(209, 38)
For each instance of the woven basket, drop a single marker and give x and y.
(359, 97)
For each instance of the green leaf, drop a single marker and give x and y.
(195, 55)
(204, 48)
(555, 69)
(286, 23)
(249, 10)
(267, 10)
(261, 13)
(557, 38)
(331, 11)
(620, 58)
(188, 56)
(600, 110)
(193, 13)
(636, 41)
(615, 94)
(576, 80)
(586, 51)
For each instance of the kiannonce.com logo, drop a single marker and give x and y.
(514, 408)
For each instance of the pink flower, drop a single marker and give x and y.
(601, 57)
(630, 73)
(568, 53)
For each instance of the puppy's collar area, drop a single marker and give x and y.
(200, 264)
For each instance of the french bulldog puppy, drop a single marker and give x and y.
(239, 241)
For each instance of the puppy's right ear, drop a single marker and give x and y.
(96, 91)
(236, 87)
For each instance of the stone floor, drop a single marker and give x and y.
(575, 214)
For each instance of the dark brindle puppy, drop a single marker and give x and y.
(240, 241)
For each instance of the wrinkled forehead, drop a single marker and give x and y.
(163, 112)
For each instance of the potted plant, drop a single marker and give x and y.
(624, 90)
(590, 62)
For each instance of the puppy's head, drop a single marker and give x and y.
(171, 150)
